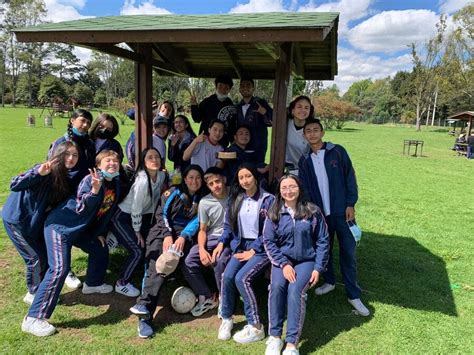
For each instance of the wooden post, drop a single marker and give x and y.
(280, 120)
(143, 91)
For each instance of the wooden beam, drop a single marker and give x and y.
(171, 57)
(113, 50)
(280, 120)
(298, 60)
(271, 49)
(232, 57)
(173, 36)
(143, 94)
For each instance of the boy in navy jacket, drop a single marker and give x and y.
(328, 177)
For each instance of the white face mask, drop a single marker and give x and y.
(221, 97)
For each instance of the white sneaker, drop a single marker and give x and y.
(204, 306)
(127, 290)
(38, 327)
(249, 334)
(104, 288)
(325, 288)
(291, 352)
(112, 242)
(274, 346)
(225, 329)
(72, 281)
(359, 307)
(29, 297)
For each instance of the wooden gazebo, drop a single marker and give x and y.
(262, 46)
(467, 116)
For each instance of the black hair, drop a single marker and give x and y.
(243, 125)
(299, 98)
(200, 193)
(213, 122)
(313, 121)
(304, 209)
(100, 119)
(224, 79)
(141, 166)
(171, 116)
(186, 120)
(237, 192)
(247, 78)
(59, 186)
(78, 113)
(214, 170)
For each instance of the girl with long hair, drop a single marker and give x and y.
(181, 136)
(34, 193)
(243, 228)
(103, 131)
(131, 222)
(296, 241)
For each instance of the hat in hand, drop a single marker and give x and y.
(168, 261)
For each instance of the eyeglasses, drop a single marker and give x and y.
(289, 188)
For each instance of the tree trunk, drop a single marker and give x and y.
(434, 107)
(418, 116)
(428, 115)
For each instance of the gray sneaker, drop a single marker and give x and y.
(38, 327)
(104, 288)
(204, 306)
(29, 297)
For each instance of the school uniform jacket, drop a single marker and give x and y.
(79, 213)
(111, 144)
(234, 239)
(341, 178)
(293, 241)
(175, 216)
(27, 204)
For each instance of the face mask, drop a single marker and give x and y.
(355, 230)
(106, 175)
(221, 97)
(104, 133)
(78, 133)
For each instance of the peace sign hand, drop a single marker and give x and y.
(96, 180)
(45, 168)
(261, 110)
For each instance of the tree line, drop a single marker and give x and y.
(440, 82)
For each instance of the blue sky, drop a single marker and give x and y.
(373, 34)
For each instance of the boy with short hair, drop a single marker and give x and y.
(329, 179)
(211, 212)
(203, 149)
(160, 132)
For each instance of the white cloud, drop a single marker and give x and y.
(64, 10)
(349, 10)
(260, 6)
(355, 66)
(450, 6)
(144, 8)
(392, 31)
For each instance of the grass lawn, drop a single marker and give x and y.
(415, 260)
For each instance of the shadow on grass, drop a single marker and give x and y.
(346, 130)
(394, 270)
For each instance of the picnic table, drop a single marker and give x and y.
(461, 148)
(413, 143)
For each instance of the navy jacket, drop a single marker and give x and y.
(175, 216)
(231, 165)
(341, 178)
(236, 242)
(110, 144)
(86, 156)
(80, 213)
(294, 241)
(27, 204)
(258, 125)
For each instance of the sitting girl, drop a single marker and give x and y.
(296, 240)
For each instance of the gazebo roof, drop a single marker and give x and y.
(208, 45)
(462, 116)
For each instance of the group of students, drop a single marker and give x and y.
(215, 219)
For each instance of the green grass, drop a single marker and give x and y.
(415, 261)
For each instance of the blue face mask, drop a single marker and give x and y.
(355, 230)
(78, 133)
(107, 175)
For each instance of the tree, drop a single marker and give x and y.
(333, 111)
(83, 94)
(50, 89)
(66, 64)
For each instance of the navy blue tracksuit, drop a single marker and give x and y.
(342, 193)
(303, 244)
(78, 221)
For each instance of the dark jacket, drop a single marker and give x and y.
(258, 125)
(175, 216)
(341, 177)
(212, 108)
(231, 165)
(86, 211)
(234, 239)
(291, 241)
(86, 155)
(110, 144)
(27, 204)
(175, 152)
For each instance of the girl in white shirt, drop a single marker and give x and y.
(132, 220)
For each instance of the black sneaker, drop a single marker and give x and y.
(145, 329)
